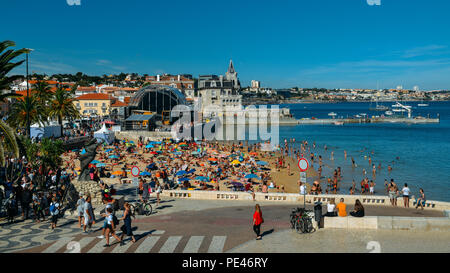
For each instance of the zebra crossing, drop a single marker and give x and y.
(153, 241)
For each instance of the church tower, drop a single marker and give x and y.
(231, 75)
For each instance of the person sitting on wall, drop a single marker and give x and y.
(358, 210)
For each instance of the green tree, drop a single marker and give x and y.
(6, 63)
(26, 112)
(43, 92)
(62, 106)
(8, 143)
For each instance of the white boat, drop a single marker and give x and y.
(400, 108)
(332, 114)
(389, 113)
(423, 104)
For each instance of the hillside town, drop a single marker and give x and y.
(109, 94)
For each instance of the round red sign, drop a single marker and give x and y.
(303, 164)
(135, 171)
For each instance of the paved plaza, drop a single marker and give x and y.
(202, 226)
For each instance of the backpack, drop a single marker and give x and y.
(52, 208)
(115, 220)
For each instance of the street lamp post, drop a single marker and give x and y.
(28, 94)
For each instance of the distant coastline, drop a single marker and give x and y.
(297, 101)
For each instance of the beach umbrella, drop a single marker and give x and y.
(153, 153)
(184, 179)
(179, 173)
(263, 163)
(101, 165)
(212, 159)
(254, 153)
(145, 174)
(131, 141)
(108, 150)
(113, 156)
(251, 176)
(117, 173)
(83, 151)
(202, 178)
(191, 171)
(95, 161)
(235, 162)
(149, 146)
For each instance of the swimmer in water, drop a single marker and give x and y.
(345, 155)
(389, 168)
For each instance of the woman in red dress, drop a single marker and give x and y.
(257, 221)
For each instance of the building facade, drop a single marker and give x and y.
(96, 104)
(219, 92)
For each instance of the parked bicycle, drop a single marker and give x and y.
(301, 220)
(141, 208)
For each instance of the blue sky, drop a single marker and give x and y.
(283, 43)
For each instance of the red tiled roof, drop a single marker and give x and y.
(118, 103)
(94, 96)
(86, 88)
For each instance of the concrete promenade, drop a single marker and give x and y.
(182, 225)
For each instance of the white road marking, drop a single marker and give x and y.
(147, 244)
(193, 245)
(58, 245)
(217, 244)
(170, 245)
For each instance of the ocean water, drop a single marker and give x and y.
(423, 150)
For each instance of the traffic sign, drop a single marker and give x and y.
(303, 177)
(135, 171)
(303, 164)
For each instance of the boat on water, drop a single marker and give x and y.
(332, 114)
(388, 113)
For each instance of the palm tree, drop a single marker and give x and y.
(28, 107)
(42, 91)
(62, 106)
(8, 142)
(6, 64)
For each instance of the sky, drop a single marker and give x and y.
(283, 43)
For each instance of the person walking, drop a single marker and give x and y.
(158, 191)
(257, 221)
(38, 207)
(26, 200)
(54, 212)
(89, 218)
(126, 228)
(110, 227)
(11, 207)
(80, 206)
